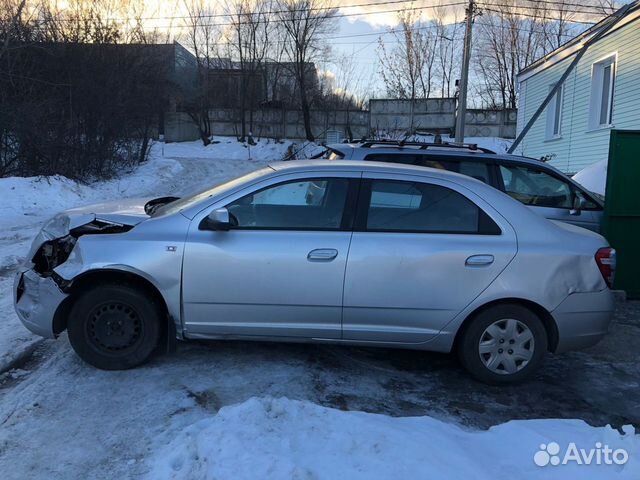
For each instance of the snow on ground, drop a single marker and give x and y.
(284, 439)
(593, 177)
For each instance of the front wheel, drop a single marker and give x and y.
(114, 327)
(503, 344)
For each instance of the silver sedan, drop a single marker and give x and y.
(360, 253)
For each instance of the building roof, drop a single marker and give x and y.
(629, 13)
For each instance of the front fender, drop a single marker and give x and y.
(155, 261)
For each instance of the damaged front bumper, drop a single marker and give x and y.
(39, 289)
(36, 301)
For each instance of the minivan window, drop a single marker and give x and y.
(403, 158)
(536, 188)
(314, 204)
(477, 170)
(398, 206)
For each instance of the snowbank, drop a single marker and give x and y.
(30, 196)
(226, 147)
(281, 438)
(594, 177)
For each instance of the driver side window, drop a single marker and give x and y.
(313, 204)
(536, 188)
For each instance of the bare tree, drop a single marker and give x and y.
(82, 21)
(73, 101)
(344, 89)
(248, 43)
(515, 33)
(507, 41)
(607, 7)
(201, 36)
(448, 30)
(556, 23)
(408, 69)
(304, 23)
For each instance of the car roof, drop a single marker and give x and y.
(369, 166)
(343, 148)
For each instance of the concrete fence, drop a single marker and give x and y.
(491, 123)
(432, 115)
(437, 115)
(272, 123)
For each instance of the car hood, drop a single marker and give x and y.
(127, 211)
(99, 217)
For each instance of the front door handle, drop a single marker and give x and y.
(479, 260)
(322, 255)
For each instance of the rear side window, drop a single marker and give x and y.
(397, 206)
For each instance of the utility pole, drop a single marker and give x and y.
(464, 77)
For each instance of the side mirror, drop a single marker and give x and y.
(579, 203)
(218, 220)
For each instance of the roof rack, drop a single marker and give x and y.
(424, 145)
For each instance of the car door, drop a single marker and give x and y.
(550, 196)
(421, 251)
(280, 270)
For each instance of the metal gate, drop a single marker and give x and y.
(621, 223)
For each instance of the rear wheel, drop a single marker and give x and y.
(114, 327)
(503, 344)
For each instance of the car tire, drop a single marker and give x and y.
(114, 327)
(503, 344)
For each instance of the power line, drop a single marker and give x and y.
(488, 6)
(394, 30)
(376, 34)
(536, 17)
(267, 13)
(299, 10)
(594, 11)
(520, 29)
(562, 3)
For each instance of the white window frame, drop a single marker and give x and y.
(598, 95)
(554, 112)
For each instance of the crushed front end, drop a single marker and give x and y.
(39, 290)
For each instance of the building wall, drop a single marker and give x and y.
(579, 145)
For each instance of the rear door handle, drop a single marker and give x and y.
(322, 255)
(479, 260)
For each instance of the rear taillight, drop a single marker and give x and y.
(606, 260)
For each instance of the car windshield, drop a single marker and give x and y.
(189, 200)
